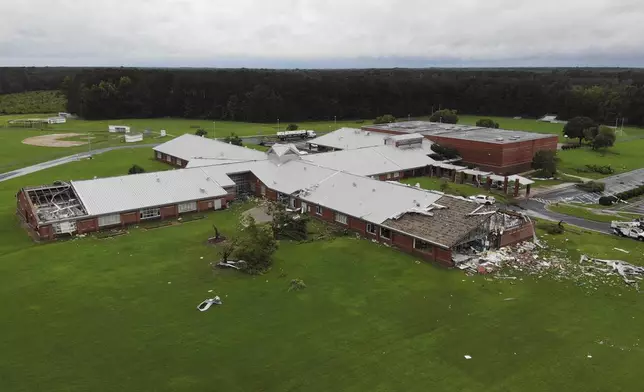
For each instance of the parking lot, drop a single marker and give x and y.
(614, 184)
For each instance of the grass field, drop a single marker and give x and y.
(32, 102)
(119, 314)
(588, 214)
(434, 183)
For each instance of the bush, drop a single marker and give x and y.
(631, 193)
(487, 123)
(607, 200)
(570, 146)
(201, 132)
(233, 139)
(592, 186)
(446, 116)
(605, 169)
(136, 169)
(386, 119)
(546, 162)
(552, 228)
(445, 152)
(297, 285)
(292, 127)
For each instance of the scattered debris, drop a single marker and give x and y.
(627, 271)
(238, 265)
(205, 305)
(467, 357)
(622, 250)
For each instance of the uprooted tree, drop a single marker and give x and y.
(286, 225)
(255, 244)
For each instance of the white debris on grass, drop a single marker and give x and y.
(622, 250)
(467, 357)
(539, 261)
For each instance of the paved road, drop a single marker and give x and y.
(63, 160)
(537, 209)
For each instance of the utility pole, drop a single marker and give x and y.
(214, 129)
(278, 125)
(89, 143)
(409, 117)
(335, 121)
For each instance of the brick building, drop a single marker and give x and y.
(500, 151)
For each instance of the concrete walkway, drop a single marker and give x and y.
(61, 161)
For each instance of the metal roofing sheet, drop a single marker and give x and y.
(350, 139)
(189, 147)
(116, 194)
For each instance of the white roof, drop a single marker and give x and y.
(209, 151)
(448, 166)
(473, 172)
(132, 192)
(350, 139)
(374, 160)
(371, 200)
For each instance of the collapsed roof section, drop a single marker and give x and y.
(55, 203)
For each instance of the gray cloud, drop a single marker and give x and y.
(325, 33)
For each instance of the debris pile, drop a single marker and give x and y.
(530, 259)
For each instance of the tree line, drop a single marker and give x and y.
(259, 95)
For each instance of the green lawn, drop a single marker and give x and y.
(585, 213)
(32, 102)
(434, 183)
(120, 314)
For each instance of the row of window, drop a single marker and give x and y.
(168, 159)
(420, 245)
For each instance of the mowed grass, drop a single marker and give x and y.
(120, 314)
(465, 190)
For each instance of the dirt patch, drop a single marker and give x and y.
(54, 140)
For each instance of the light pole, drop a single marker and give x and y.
(335, 121)
(89, 142)
(278, 125)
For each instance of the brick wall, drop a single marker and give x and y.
(169, 211)
(443, 256)
(87, 225)
(519, 234)
(205, 205)
(130, 218)
(25, 210)
(46, 232)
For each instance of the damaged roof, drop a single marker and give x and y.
(446, 226)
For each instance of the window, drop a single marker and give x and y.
(422, 245)
(159, 155)
(396, 174)
(388, 176)
(371, 228)
(150, 213)
(341, 218)
(168, 158)
(318, 210)
(263, 189)
(187, 207)
(385, 233)
(109, 220)
(179, 162)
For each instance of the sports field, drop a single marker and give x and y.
(120, 314)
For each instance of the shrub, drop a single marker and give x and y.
(297, 285)
(570, 146)
(201, 132)
(446, 116)
(233, 139)
(552, 228)
(605, 169)
(546, 162)
(631, 193)
(136, 169)
(386, 119)
(607, 200)
(292, 127)
(487, 123)
(592, 186)
(445, 152)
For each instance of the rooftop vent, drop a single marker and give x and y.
(499, 139)
(354, 185)
(202, 190)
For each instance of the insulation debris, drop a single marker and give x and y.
(627, 271)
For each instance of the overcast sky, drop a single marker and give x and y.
(322, 33)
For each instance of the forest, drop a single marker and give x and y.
(262, 95)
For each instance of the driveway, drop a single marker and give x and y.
(63, 160)
(538, 210)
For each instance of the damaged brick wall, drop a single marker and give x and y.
(517, 234)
